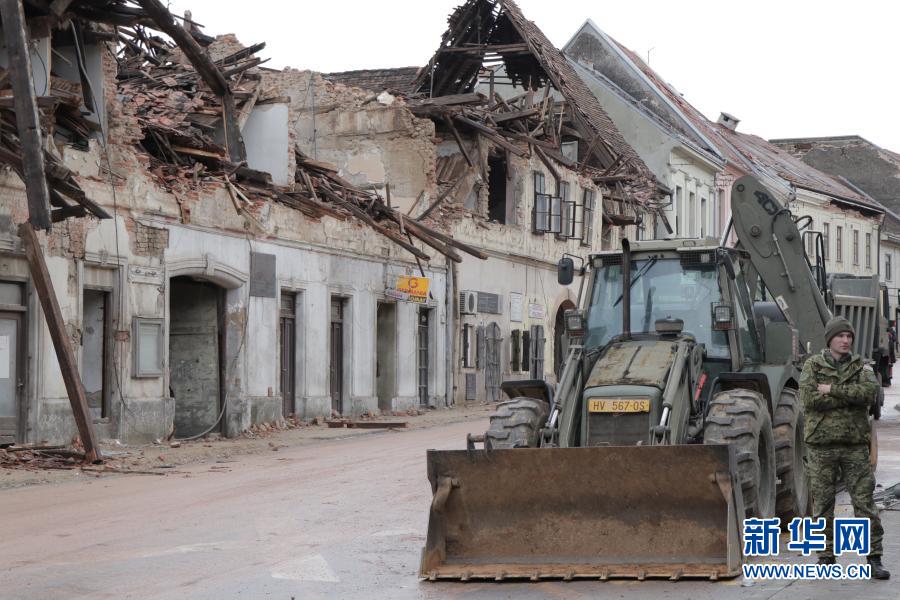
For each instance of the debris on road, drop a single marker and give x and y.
(339, 423)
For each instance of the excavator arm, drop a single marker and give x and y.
(766, 230)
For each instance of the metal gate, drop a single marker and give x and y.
(493, 342)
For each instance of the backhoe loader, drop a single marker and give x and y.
(675, 417)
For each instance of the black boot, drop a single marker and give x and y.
(878, 570)
(826, 560)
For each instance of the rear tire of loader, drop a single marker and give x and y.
(793, 498)
(517, 423)
(740, 418)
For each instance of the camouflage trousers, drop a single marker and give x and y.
(827, 466)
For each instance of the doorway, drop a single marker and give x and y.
(423, 346)
(336, 345)
(287, 334)
(196, 348)
(386, 355)
(95, 355)
(12, 358)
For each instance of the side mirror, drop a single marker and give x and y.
(565, 271)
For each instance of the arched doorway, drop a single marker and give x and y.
(196, 349)
(559, 340)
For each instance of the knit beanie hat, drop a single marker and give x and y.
(837, 325)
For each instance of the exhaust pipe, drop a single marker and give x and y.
(626, 288)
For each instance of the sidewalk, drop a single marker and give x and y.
(165, 458)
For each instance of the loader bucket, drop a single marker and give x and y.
(602, 512)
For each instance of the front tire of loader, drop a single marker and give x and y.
(792, 493)
(517, 423)
(740, 418)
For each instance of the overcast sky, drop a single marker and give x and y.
(787, 68)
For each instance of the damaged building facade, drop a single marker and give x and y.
(524, 165)
(210, 293)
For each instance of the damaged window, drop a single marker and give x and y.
(587, 217)
(497, 188)
(541, 214)
(567, 210)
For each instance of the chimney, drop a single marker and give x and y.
(729, 121)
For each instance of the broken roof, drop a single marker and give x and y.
(752, 154)
(490, 32)
(622, 71)
(794, 170)
(399, 80)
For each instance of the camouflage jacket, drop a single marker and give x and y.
(840, 417)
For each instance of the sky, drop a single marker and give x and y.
(788, 68)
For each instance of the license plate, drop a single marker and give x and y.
(619, 405)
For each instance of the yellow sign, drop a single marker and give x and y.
(619, 405)
(416, 288)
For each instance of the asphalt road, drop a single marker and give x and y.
(340, 519)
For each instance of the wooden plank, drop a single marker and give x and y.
(364, 217)
(413, 224)
(516, 114)
(491, 135)
(27, 120)
(459, 141)
(541, 155)
(451, 99)
(445, 193)
(247, 108)
(61, 214)
(43, 285)
(482, 48)
(197, 152)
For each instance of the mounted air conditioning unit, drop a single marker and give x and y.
(468, 303)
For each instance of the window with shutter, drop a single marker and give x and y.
(515, 350)
(479, 347)
(467, 346)
(526, 350)
(587, 217)
(555, 215)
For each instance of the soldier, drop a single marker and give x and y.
(836, 389)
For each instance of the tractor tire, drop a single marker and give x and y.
(741, 418)
(792, 490)
(517, 423)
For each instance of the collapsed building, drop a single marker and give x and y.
(232, 243)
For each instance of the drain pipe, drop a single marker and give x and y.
(626, 288)
(450, 344)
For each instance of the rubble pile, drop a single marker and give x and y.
(62, 120)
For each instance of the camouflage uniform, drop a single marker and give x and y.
(837, 438)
